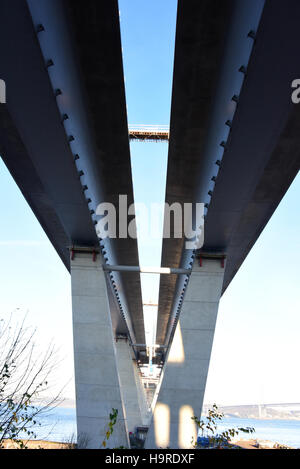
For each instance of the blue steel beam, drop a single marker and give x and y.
(234, 130)
(63, 130)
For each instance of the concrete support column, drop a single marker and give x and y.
(184, 377)
(145, 411)
(96, 375)
(131, 394)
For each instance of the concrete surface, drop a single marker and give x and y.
(131, 387)
(183, 383)
(96, 375)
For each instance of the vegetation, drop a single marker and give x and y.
(24, 375)
(208, 428)
(112, 421)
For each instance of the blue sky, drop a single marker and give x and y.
(256, 348)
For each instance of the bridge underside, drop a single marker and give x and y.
(233, 145)
(239, 158)
(64, 133)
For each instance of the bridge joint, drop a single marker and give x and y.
(81, 249)
(212, 256)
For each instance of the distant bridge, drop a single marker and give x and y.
(149, 132)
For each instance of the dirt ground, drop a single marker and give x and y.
(250, 444)
(42, 444)
(38, 444)
(260, 444)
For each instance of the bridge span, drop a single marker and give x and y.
(233, 145)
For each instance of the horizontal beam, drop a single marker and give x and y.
(146, 270)
(145, 345)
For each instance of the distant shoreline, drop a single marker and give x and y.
(251, 417)
(65, 403)
(260, 411)
(253, 411)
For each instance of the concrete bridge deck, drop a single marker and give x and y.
(233, 145)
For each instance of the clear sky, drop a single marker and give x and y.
(256, 349)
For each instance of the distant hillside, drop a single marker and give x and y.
(262, 411)
(63, 402)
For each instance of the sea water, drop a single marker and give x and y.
(57, 424)
(60, 425)
(286, 432)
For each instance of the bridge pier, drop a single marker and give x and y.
(133, 395)
(183, 382)
(96, 373)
